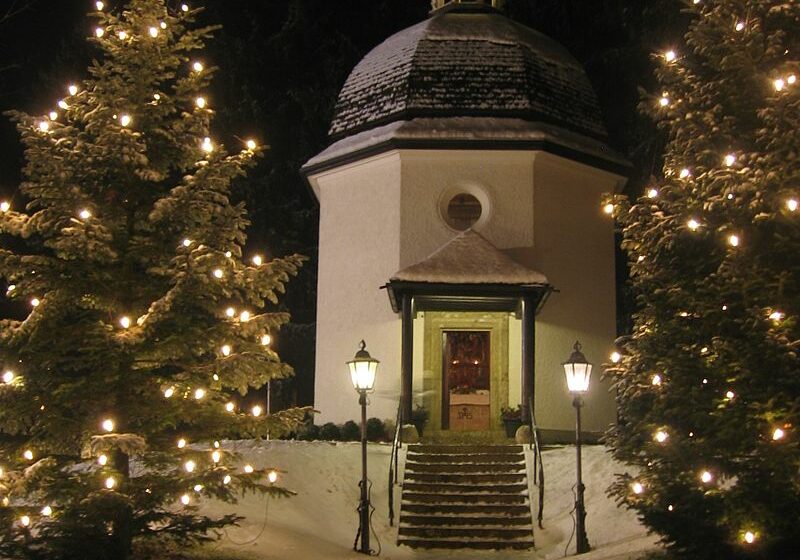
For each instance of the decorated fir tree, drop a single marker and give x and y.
(144, 319)
(708, 382)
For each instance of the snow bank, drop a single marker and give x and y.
(320, 523)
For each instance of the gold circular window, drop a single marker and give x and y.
(462, 211)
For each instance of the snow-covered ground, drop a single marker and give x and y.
(320, 523)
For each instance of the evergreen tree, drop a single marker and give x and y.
(708, 382)
(144, 319)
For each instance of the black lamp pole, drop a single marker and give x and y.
(363, 505)
(581, 541)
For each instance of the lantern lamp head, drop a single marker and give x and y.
(362, 370)
(578, 371)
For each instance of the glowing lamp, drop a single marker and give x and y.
(200, 102)
(749, 537)
(125, 120)
(217, 273)
(577, 371)
(257, 410)
(362, 370)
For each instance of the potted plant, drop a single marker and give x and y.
(512, 419)
(419, 417)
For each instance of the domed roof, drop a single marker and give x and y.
(468, 60)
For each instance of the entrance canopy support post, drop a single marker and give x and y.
(407, 358)
(528, 355)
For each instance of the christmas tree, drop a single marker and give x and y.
(144, 320)
(708, 382)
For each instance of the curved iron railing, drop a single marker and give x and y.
(397, 443)
(538, 465)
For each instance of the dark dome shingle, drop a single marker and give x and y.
(468, 60)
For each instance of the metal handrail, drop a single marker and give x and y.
(538, 474)
(397, 443)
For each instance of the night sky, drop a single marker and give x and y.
(282, 63)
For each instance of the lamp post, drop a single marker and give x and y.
(578, 370)
(362, 373)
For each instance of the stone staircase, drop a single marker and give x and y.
(465, 496)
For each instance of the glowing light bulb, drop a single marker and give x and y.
(230, 407)
(685, 173)
(8, 376)
(730, 159)
(661, 436)
(44, 126)
(216, 444)
(227, 479)
(99, 32)
(153, 32)
(693, 224)
(217, 273)
(184, 8)
(230, 312)
(739, 26)
(733, 240)
(99, 5)
(199, 394)
(47, 511)
(108, 425)
(72, 89)
(615, 357)
(85, 214)
(157, 96)
(669, 56)
(652, 193)
(122, 35)
(637, 488)
(640, 258)
(256, 410)
(791, 79)
(656, 380)
(705, 381)
(776, 315)
(111, 482)
(35, 302)
(125, 120)
(53, 115)
(778, 84)
(608, 208)
(102, 460)
(11, 288)
(724, 307)
(63, 104)
(28, 454)
(248, 469)
(670, 507)
(181, 443)
(251, 145)
(265, 339)
(200, 102)
(125, 322)
(189, 466)
(162, 24)
(777, 434)
(791, 204)
(226, 350)
(25, 521)
(272, 476)
(215, 377)
(185, 499)
(216, 456)
(244, 316)
(749, 537)
(706, 477)
(257, 260)
(5, 206)
(168, 392)
(197, 66)
(729, 395)
(207, 146)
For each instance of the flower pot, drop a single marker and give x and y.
(511, 425)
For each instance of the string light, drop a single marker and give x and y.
(85, 214)
(184, 8)
(198, 487)
(637, 488)
(168, 392)
(661, 436)
(685, 173)
(272, 476)
(122, 35)
(197, 66)
(199, 394)
(778, 84)
(706, 477)
(8, 376)
(153, 32)
(705, 381)
(217, 273)
(25, 521)
(615, 357)
(640, 258)
(656, 380)
(72, 89)
(181, 443)
(102, 460)
(5, 206)
(108, 425)
(733, 240)
(215, 377)
(608, 208)
(47, 511)
(729, 395)
(216, 444)
(185, 499)
(228, 254)
(669, 56)
(44, 126)
(265, 339)
(200, 102)
(749, 537)
(227, 479)
(162, 25)
(256, 410)
(671, 507)
(11, 288)
(230, 312)
(63, 104)
(778, 434)
(730, 159)
(207, 146)
(652, 193)
(157, 96)
(99, 32)
(99, 5)
(28, 454)
(53, 115)
(792, 204)
(125, 322)
(244, 316)
(251, 145)
(230, 407)
(248, 469)
(35, 302)
(189, 466)
(664, 101)
(226, 350)
(776, 315)
(125, 120)
(739, 26)
(791, 79)
(257, 260)
(111, 482)
(215, 456)
(693, 224)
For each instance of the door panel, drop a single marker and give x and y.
(466, 392)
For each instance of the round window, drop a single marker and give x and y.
(462, 211)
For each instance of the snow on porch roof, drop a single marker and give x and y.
(469, 259)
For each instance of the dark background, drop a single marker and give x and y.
(281, 64)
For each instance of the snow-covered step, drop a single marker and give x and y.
(471, 520)
(472, 498)
(451, 488)
(477, 533)
(464, 458)
(502, 510)
(467, 478)
(475, 544)
(448, 468)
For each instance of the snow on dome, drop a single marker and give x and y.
(468, 60)
(469, 259)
